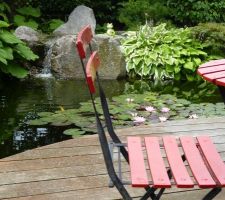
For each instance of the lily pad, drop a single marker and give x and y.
(44, 114)
(74, 132)
(37, 122)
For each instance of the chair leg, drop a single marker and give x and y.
(149, 194)
(222, 92)
(212, 193)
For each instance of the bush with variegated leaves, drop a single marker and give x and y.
(161, 53)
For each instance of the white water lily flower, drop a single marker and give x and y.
(150, 109)
(139, 119)
(133, 114)
(162, 119)
(193, 116)
(129, 100)
(165, 110)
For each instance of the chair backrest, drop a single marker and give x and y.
(91, 72)
(84, 38)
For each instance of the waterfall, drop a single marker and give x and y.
(46, 71)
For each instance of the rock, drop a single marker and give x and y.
(27, 34)
(80, 17)
(65, 62)
(112, 60)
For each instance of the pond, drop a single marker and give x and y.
(20, 100)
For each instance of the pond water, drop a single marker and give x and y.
(20, 100)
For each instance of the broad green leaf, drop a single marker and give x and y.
(16, 70)
(6, 53)
(29, 11)
(32, 24)
(3, 60)
(189, 65)
(9, 38)
(55, 23)
(19, 20)
(25, 52)
(3, 24)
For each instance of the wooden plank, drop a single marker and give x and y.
(211, 69)
(199, 169)
(51, 153)
(156, 164)
(213, 63)
(213, 158)
(137, 165)
(213, 76)
(220, 81)
(176, 163)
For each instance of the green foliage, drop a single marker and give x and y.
(213, 36)
(136, 12)
(192, 12)
(158, 53)
(28, 17)
(51, 25)
(12, 52)
(4, 8)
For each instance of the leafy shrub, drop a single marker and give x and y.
(158, 53)
(135, 12)
(192, 12)
(13, 52)
(27, 17)
(213, 36)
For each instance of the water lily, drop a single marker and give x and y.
(150, 109)
(133, 114)
(139, 119)
(193, 116)
(129, 100)
(162, 119)
(165, 110)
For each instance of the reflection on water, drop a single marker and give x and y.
(21, 99)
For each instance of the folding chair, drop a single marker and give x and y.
(207, 167)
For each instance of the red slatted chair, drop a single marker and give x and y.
(207, 167)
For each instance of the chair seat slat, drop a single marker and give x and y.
(213, 158)
(156, 164)
(197, 165)
(213, 76)
(213, 63)
(137, 165)
(181, 176)
(207, 70)
(220, 81)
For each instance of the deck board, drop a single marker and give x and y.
(72, 170)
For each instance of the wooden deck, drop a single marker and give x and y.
(74, 169)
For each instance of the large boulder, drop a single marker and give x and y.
(65, 62)
(80, 17)
(27, 34)
(112, 60)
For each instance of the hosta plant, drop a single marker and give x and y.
(161, 53)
